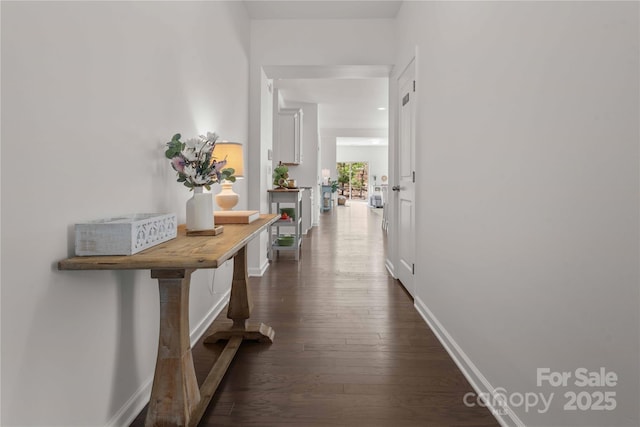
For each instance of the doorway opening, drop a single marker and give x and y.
(353, 180)
(345, 110)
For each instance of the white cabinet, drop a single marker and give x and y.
(290, 136)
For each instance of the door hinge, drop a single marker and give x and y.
(414, 85)
(413, 269)
(414, 176)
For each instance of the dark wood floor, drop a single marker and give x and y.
(349, 350)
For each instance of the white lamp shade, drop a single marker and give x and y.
(325, 176)
(232, 152)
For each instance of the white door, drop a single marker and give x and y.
(405, 188)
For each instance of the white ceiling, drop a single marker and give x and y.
(323, 9)
(342, 103)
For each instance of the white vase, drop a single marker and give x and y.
(200, 211)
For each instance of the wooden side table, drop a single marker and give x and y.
(176, 399)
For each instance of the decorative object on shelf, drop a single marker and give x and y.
(281, 176)
(286, 240)
(125, 235)
(196, 167)
(236, 217)
(326, 173)
(218, 229)
(231, 153)
(288, 213)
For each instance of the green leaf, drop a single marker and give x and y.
(176, 137)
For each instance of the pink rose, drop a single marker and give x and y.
(178, 164)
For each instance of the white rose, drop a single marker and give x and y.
(201, 144)
(190, 154)
(211, 137)
(192, 142)
(201, 180)
(189, 170)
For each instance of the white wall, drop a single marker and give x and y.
(304, 42)
(527, 193)
(260, 162)
(328, 155)
(91, 91)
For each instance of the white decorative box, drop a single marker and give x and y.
(125, 235)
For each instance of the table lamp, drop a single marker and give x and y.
(226, 199)
(325, 176)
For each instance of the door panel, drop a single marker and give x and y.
(406, 175)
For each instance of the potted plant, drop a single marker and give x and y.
(281, 176)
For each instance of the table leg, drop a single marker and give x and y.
(175, 391)
(240, 308)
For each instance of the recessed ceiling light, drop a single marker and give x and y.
(382, 108)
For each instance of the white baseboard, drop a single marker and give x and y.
(140, 398)
(504, 415)
(258, 272)
(132, 407)
(389, 266)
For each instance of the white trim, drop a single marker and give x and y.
(389, 266)
(132, 407)
(258, 272)
(136, 403)
(479, 383)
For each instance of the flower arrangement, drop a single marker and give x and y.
(195, 163)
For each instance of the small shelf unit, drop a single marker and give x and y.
(290, 198)
(327, 198)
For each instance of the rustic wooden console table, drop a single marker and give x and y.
(176, 399)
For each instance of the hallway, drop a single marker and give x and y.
(349, 350)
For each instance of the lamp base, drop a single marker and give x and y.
(226, 199)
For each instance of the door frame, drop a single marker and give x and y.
(394, 147)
